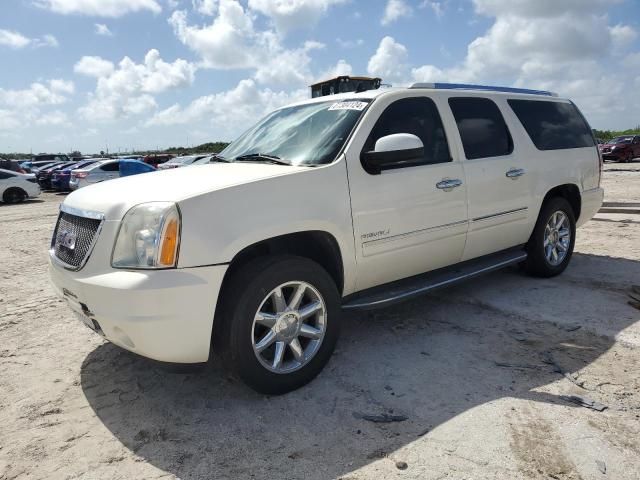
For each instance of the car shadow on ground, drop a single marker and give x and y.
(25, 202)
(430, 360)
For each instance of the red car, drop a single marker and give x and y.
(621, 149)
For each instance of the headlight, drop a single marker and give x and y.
(148, 237)
(613, 148)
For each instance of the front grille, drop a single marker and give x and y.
(73, 238)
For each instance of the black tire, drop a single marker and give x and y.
(243, 295)
(14, 195)
(536, 263)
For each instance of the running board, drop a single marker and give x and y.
(400, 290)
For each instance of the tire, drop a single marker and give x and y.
(252, 289)
(14, 195)
(538, 262)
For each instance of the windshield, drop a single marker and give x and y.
(620, 140)
(310, 134)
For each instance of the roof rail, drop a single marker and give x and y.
(488, 88)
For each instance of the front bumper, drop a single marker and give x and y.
(591, 203)
(165, 315)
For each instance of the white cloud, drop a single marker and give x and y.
(206, 7)
(389, 61)
(93, 67)
(17, 40)
(231, 111)
(436, 7)
(102, 29)
(99, 8)
(349, 43)
(128, 89)
(54, 118)
(340, 68)
(395, 10)
(37, 95)
(292, 14)
(231, 41)
(622, 35)
(13, 39)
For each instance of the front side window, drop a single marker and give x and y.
(310, 134)
(482, 128)
(617, 140)
(417, 116)
(5, 175)
(553, 125)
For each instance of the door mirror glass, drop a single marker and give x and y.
(394, 150)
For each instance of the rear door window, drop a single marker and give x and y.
(482, 128)
(110, 167)
(553, 125)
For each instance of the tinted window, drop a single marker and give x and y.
(5, 175)
(553, 125)
(483, 130)
(110, 167)
(418, 116)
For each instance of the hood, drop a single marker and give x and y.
(115, 197)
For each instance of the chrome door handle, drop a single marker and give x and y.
(515, 173)
(448, 184)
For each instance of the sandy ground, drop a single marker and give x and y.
(481, 372)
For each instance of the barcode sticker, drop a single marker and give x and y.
(353, 105)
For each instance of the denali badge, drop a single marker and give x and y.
(67, 239)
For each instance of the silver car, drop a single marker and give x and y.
(183, 161)
(103, 169)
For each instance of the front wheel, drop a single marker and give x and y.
(551, 244)
(281, 322)
(14, 195)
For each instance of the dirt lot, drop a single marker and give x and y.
(481, 371)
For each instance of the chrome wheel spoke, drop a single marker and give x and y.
(279, 355)
(561, 248)
(296, 299)
(564, 233)
(308, 310)
(266, 341)
(266, 319)
(310, 332)
(278, 300)
(296, 349)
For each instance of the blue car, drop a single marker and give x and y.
(60, 179)
(134, 167)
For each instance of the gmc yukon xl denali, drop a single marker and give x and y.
(353, 201)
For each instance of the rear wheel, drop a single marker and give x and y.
(551, 244)
(14, 195)
(280, 322)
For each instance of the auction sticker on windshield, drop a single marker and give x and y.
(353, 105)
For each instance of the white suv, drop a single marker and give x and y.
(342, 202)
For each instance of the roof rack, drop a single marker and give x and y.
(488, 88)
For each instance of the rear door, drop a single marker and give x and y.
(106, 171)
(497, 186)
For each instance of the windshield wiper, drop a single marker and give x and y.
(218, 158)
(262, 156)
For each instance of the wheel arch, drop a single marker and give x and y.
(571, 193)
(319, 246)
(14, 188)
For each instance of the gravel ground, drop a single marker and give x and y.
(482, 372)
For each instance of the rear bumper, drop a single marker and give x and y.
(591, 203)
(165, 315)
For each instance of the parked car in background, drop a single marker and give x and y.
(12, 165)
(178, 162)
(34, 167)
(60, 178)
(621, 149)
(43, 176)
(50, 157)
(106, 169)
(17, 187)
(204, 160)
(156, 160)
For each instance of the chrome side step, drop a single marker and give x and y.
(400, 290)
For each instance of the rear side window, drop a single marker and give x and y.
(482, 128)
(110, 167)
(553, 125)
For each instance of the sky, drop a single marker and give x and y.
(93, 75)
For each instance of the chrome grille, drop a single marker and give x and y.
(73, 238)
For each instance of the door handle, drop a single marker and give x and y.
(447, 185)
(515, 173)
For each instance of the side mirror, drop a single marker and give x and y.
(393, 150)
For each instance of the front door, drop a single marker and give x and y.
(410, 218)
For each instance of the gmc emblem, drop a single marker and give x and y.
(67, 239)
